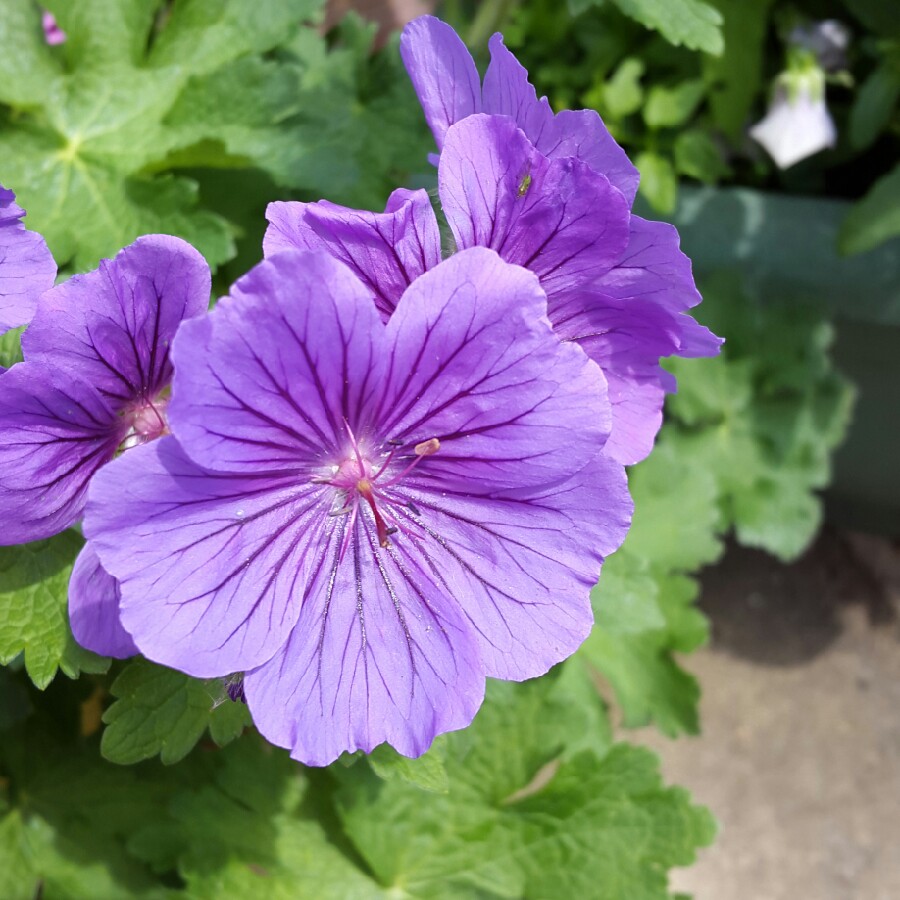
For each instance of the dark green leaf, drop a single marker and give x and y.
(735, 77)
(874, 104)
(875, 219)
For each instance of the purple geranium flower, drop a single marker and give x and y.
(446, 80)
(27, 268)
(366, 518)
(616, 284)
(94, 382)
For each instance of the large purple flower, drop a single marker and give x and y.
(446, 80)
(616, 284)
(94, 382)
(27, 268)
(367, 518)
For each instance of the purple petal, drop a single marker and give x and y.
(476, 365)
(379, 653)
(288, 228)
(508, 92)
(94, 608)
(654, 269)
(386, 251)
(626, 338)
(580, 134)
(637, 409)
(558, 218)
(55, 432)
(269, 378)
(113, 326)
(442, 72)
(27, 268)
(632, 316)
(53, 34)
(522, 564)
(213, 568)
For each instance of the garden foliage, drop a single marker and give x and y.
(127, 779)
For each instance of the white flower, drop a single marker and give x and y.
(798, 123)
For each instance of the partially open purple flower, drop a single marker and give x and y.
(446, 80)
(27, 268)
(95, 381)
(366, 518)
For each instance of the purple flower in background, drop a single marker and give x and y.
(94, 382)
(445, 78)
(53, 34)
(366, 518)
(27, 268)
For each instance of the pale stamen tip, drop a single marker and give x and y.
(427, 448)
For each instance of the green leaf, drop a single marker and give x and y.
(306, 865)
(693, 23)
(659, 184)
(36, 862)
(622, 92)
(763, 418)
(427, 772)
(876, 100)
(82, 151)
(779, 515)
(161, 711)
(878, 16)
(735, 76)
(676, 516)
(875, 219)
(625, 599)
(698, 156)
(209, 33)
(28, 66)
(10, 348)
(14, 702)
(648, 684)
(245, 823)
(669, 107)
(34, 581)
(105, 31)
(520, 821)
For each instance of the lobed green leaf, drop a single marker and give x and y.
(34, 581)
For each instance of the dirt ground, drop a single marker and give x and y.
(800, 753)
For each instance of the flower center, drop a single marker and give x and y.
(146, 420)
(357, 479)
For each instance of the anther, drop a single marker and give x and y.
(427, 448)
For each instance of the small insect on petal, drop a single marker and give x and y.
(523, 186)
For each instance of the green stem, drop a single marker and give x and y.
(489, 18)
